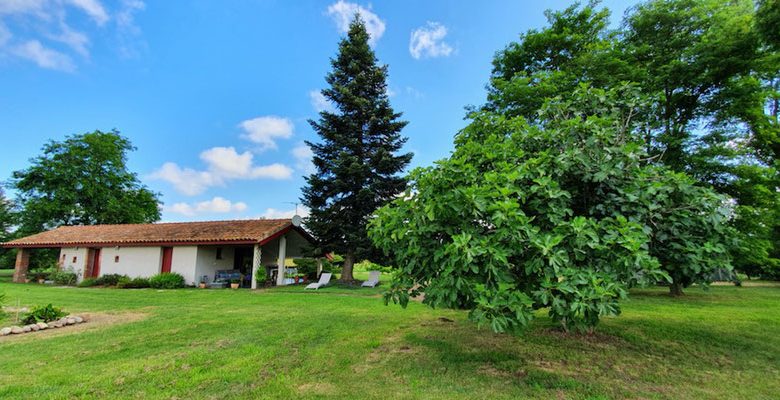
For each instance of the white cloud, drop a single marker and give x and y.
(127, 30)
(22, 6)
(77, 41)
(45, 57)
(303, 155)
(185, 180)
(222, 165)
(217, 205)
(35, 30)
(320, 102)
(263, 130)
(273, 213)
(343, 12)
(428, 41)
(93, 8)
(5, 34)
(413, 92)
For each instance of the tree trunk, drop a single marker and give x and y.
(346, 270)
(676, 289)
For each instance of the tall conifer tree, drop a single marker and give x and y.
(358, 157)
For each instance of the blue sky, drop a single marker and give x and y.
(215, 95)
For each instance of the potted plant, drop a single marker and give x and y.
(202, 283)
(234, 283)
(261, 279)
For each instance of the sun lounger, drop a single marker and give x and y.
(324, 280)
(373, 279)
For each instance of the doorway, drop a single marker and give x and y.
(94, 259)
(167, 257)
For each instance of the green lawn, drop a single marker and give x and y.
(344, 343)
(6, 275)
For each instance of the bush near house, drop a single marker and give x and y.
(110, 279)
(68, 278)
(134, 283)
(167, 280)
(88, 282)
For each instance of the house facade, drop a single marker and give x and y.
(196, 250)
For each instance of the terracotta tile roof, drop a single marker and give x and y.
(182, 233)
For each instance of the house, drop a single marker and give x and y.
(192, 249)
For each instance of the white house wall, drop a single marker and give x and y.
(133, 261)
(191, 262)
(66, 261)
(184, 261)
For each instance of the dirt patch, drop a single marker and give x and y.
(317, 388)
(93, 320)
(595, 338)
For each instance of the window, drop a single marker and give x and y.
(219, 253)
(116, 259)
(74, 259)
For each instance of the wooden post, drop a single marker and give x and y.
(258, 253)
(22, 262)
(280, 261)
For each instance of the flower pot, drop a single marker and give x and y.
(202, 285)
(41, 280)
(234, 285)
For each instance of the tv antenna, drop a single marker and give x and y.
(296, 205)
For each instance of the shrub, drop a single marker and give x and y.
(64, 277)
(43, 314)
(167, 280)
(42, 273)
(110, 279)
(135, 283)
(88, 282)
(306, 266)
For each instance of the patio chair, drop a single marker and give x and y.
(373, 279)
(324, 280)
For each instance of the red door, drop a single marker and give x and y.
(95, 263)
(167, 255)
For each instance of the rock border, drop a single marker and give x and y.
(60, 323)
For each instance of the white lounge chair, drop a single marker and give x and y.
(324, 280)
(373, 279)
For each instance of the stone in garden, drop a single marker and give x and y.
(71, 321)
(42, 325)
(78, 319)
(26, 328)
(5, 331)
(34, 327)
(16, 329)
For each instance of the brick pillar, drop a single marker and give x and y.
(22, 262)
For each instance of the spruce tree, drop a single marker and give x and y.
(357, 159)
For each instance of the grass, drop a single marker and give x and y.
(6, 275)
(344, 343)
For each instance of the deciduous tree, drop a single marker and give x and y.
(556, 214)
(83, 180)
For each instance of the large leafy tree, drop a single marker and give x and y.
(710, 69)
(83, 180)
(358, 156)
(560, 214)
